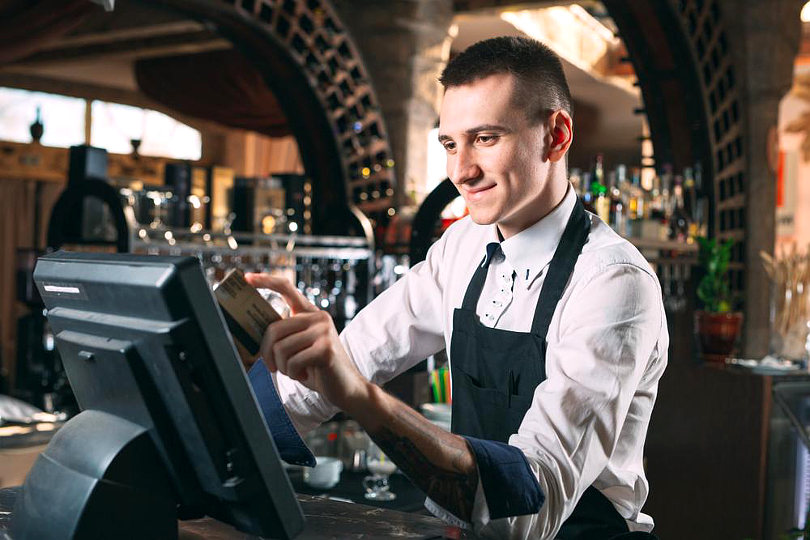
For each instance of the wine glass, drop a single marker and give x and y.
(380, 467)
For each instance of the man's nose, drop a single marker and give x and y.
(463, 167)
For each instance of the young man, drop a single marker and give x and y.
(554, 327)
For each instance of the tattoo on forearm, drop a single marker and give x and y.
(451, 487)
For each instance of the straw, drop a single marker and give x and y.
(442, 391)
(448, 398)
(434, 386)
(790, 273)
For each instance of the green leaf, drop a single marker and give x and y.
(714, 258)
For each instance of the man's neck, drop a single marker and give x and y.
(556, 192)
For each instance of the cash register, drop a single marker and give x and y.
(169, 427)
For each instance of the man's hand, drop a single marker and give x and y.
(306, 347)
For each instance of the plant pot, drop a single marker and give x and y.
(718, 333)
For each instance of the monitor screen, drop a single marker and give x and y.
(148, 356)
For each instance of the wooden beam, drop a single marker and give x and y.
(497, 6)
(37, 83)
(141, 47)
(126, 34)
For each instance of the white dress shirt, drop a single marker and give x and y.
(607, 349)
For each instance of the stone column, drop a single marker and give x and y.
(764, 41)
(404, 45)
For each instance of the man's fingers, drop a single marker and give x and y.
(294, 345)
(297, 301)
(299, 364)
(291, 344)
(281, 330)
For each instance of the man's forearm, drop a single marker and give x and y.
(440, 463)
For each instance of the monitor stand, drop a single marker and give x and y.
(114, 487)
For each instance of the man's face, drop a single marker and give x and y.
(494, 153)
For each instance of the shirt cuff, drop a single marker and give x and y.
(510, 487)
(289, 444)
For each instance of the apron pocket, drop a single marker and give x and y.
(489, 396)
(517, 410)
(498, 415)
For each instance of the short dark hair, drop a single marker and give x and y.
(538, 70)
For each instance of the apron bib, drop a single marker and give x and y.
(495, 373)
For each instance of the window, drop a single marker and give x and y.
(112, 127)
(115, 126)
(61, 116)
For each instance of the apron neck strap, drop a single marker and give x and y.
(561, 268)
(476, 285)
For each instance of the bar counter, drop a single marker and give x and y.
(325, 519)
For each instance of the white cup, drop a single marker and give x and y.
(325, 474)
(439, 414)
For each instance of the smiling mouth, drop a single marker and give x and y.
(475, 194)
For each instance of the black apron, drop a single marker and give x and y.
(495, 373)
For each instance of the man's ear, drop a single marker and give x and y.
(560, 134)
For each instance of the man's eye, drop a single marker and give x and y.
(449, 146)
(487, 139)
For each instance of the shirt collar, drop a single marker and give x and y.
(493, 246)
(531, 250)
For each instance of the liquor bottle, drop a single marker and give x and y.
(601, 201)
(622, 181)
(617, 207)
(599, 169)
(650, 210)
(586, 195)
(599, 192)
(637, 207)
(690, 203)
(626, 191)
(655, 199)
(678, 222)
(666, 190)
(700, 212)
(666, 203)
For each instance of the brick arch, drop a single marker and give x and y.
(692, 97)
(309, 61)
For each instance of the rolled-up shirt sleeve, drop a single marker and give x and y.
(602, 368)
(507, 480)
(290, 446)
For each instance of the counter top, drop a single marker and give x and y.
(325, 519)
(25, 436)
(409, 497)
(764, 371)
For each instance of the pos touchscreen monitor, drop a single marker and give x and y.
(169, 427)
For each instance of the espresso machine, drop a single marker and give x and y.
(39, 378)
(87, 213)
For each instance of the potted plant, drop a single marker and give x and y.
(717, 326)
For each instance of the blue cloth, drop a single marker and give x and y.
(510, 487)
(290, 446)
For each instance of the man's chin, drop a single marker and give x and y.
(483, 218)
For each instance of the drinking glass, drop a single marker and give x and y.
(380, 467)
